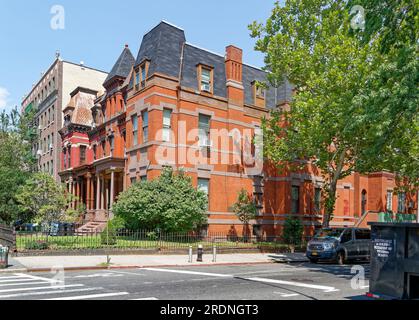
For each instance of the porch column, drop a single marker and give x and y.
(112, 187)
(77, 191)
(88, 194)
(71, 193)
(98, 188)
(102, 194)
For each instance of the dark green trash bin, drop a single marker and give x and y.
(394, 260)
(4, 257)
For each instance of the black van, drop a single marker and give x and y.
(339, 245)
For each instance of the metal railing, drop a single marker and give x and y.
(71, 239)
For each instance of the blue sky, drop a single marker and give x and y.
(96, 31)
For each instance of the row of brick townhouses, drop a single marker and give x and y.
(179, 105)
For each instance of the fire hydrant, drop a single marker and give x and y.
(200, 253)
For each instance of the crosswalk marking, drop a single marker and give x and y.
(20, 284)
(38, 278)
(16, 280)
(42, 288)
(295, 284)
(92, 296)
(11, 278)
(42, 293)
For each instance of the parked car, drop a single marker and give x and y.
(339, 245)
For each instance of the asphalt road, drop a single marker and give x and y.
(302, 281)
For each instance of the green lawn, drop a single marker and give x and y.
(26, 242)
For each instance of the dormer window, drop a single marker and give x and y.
(259, 93)
(141, 75)
(205, 77)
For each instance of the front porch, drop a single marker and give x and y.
(96, 187)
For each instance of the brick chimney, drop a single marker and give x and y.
(234, 73)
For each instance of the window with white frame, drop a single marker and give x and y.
(145, 126)
(203, 185)
(401, 205)
(389, 204)
(134, 120)
(206, 80)
(167, 124)
(204, 130)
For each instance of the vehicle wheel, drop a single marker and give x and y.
(314, 261)
(341, 258)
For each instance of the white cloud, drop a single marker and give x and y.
(4, 95)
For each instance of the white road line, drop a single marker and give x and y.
(98, 275)
(42, 288)
(92, 296)
(20, 284)
(191, 272)
(128, 273)
(17, 280)
(287, 295)
(152, 298)
(11, 277)
(295, 284)
(38, 278)
(26, 294)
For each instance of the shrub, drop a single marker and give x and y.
(36, 245)
(152, 236)
(293, 232)
(169, 203)
(109, 236)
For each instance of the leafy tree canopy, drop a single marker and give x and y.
(355, 106)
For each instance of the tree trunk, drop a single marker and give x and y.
(330, 205)
(331, 197)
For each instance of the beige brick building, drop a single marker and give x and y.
(49, 96)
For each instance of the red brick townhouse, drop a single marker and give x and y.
(183, 106)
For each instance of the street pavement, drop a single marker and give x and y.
(271, 281)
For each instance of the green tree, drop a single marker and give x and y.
(17, 162)
(169, 203)
(391, 89)
(293, 232)
(45, 200)
(245, 209)
(331, 123)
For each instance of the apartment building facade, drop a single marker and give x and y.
(182, 106)
(48, 97)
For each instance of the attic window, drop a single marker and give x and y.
(141, 75)
(206, 78)
(259, 93)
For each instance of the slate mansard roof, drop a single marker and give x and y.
(166, 48)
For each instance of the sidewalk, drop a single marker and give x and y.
(141, 261)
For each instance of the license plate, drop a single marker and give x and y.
(314, 253)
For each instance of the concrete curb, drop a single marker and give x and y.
(92, 268)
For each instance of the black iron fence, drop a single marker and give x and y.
(68, 238)
(8, 237)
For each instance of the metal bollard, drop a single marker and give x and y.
(190, 254)
(214, 254)
(200, 253)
